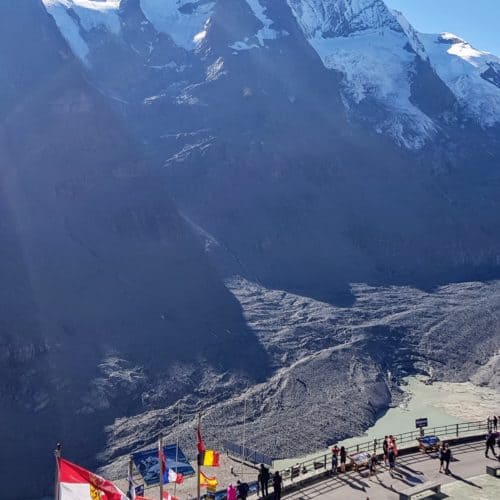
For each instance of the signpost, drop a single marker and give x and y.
(421, 422)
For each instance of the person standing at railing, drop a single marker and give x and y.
(335, 459)
(277, 482)
(343, 458)
(263, 479)
(385, 447)
(495, 422)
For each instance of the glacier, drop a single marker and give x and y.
(462, 67)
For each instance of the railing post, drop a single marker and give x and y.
(325, 462)
(375, 446)
(457, 430)
(357, 448)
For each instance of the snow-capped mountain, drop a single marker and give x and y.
(201, 198)
(378, 59)
(388, 70)
(218, 89)
(472, 75)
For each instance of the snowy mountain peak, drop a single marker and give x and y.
(376, 52)
(411, 33)
(73, 17)
(472, 75)
(341, 17)
(183, 20)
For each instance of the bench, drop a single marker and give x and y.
(420, 488)
(493, 470)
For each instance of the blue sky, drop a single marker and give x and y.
(477, 21)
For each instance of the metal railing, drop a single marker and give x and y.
(404, 440)
(247, 454)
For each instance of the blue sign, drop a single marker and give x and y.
(148, 465)
(421, 422)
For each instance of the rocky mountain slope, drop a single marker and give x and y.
(204, 200)
(89, 241)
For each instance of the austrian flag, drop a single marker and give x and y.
(77, 483)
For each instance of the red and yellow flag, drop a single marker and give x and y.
(207, 481)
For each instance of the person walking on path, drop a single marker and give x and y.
(231, 493)
(264, 477)
(373, 465)
(490, 444)
(343, 458)
(441, 457)
(277, 482)
(335, 459)
(391, 457)
(447, 458)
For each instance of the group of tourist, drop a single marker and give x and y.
(241, 490)
(444, 458)
(390, 448)
(338, 453)
(493, 423)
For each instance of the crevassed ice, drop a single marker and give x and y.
(367, 44)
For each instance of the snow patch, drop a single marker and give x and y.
(412, 35)
(183, 20)
(376, 65)
(264, 33)
(73, 16)
(460, 66)
(341, 17)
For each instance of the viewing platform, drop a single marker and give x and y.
(467, 480)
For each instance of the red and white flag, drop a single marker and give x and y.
(175, 477)
(77, 483)
(168, 496)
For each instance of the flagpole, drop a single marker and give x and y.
(198, 464)
(57, 455)
(160, 447)
(177, 447)
(244, 427)
(131, 479)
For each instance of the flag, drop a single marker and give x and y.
(174, 477)
(168, 496)
(131, 487)
(163, 465)
(207, 481)
(77, 483)
(209, 458)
